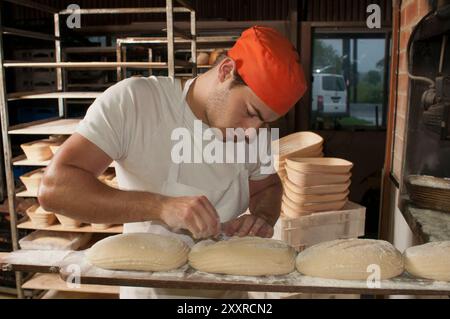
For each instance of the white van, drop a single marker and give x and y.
(329, 95)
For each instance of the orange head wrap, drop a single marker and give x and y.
(269, 64)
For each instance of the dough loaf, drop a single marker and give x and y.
(430, 261)
(348, 259)
(247, 256)
(138, 251)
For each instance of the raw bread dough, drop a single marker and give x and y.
(250, 256)
(348, 259)
(138, 251)
(431, 260)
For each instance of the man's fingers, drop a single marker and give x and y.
(265, 231)
(246, 225)
(255, 230)
(212, 216)
(232, 226)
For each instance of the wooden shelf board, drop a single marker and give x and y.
(53, 95)
(85, 65)
(26, 194)
(21, 160)
(83, 50)
(58, 294)
(60, 126)
(82, 229)
(54, 282)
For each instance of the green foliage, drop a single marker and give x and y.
(370, 87)
(325, 56)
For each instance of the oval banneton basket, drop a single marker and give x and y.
(300, 144)
(312, 179)
(324, 165)
(313, 198)
(313, 207)
(298, 211)
(317, 190)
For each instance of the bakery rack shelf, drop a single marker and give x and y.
(28, 34)
(62, 125)
(88, 50)
(21, 160)
(85, 65)
(57, 262)
(56, 126)
(53, 95)
(26, 193)
(54, 282)
(82, 229)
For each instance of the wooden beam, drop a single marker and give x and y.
(28, 34)
(34, 5)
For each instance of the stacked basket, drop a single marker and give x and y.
(315, 185)
(311, 182)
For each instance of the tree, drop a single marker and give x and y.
(325, 56)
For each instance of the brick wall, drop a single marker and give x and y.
(411, 12)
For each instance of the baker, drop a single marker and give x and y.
(132, 123)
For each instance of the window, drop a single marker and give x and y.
(348, 80)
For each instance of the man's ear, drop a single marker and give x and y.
(226, 69)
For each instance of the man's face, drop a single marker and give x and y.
(237, 106)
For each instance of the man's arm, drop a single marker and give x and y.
(265, 205)
(70, 187)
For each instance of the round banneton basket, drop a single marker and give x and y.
(68, 221)
(429, 192)
(40, 217)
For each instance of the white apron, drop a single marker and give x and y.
(230, 201)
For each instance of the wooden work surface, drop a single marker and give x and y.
(188, 278)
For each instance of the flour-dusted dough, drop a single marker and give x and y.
(138, 251)
(348, 259)
(431, 260)
(247, 256)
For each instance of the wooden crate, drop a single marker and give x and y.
(312, 229)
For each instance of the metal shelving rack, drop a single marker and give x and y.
(60, 124)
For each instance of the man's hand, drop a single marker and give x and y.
(248, 225)
(194, 213)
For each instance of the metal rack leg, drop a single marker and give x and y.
(8, 163)
(59, 71)
(194, 44)
(170, 39)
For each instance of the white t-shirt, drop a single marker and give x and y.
(132, 122)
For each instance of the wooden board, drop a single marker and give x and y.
(54, 282)
(188, 278)
(117, 229)
(84, 65)
(27, 193)
(46, 261)
(53, 95)
(61, 126)
(57, 294)
(21, 160)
